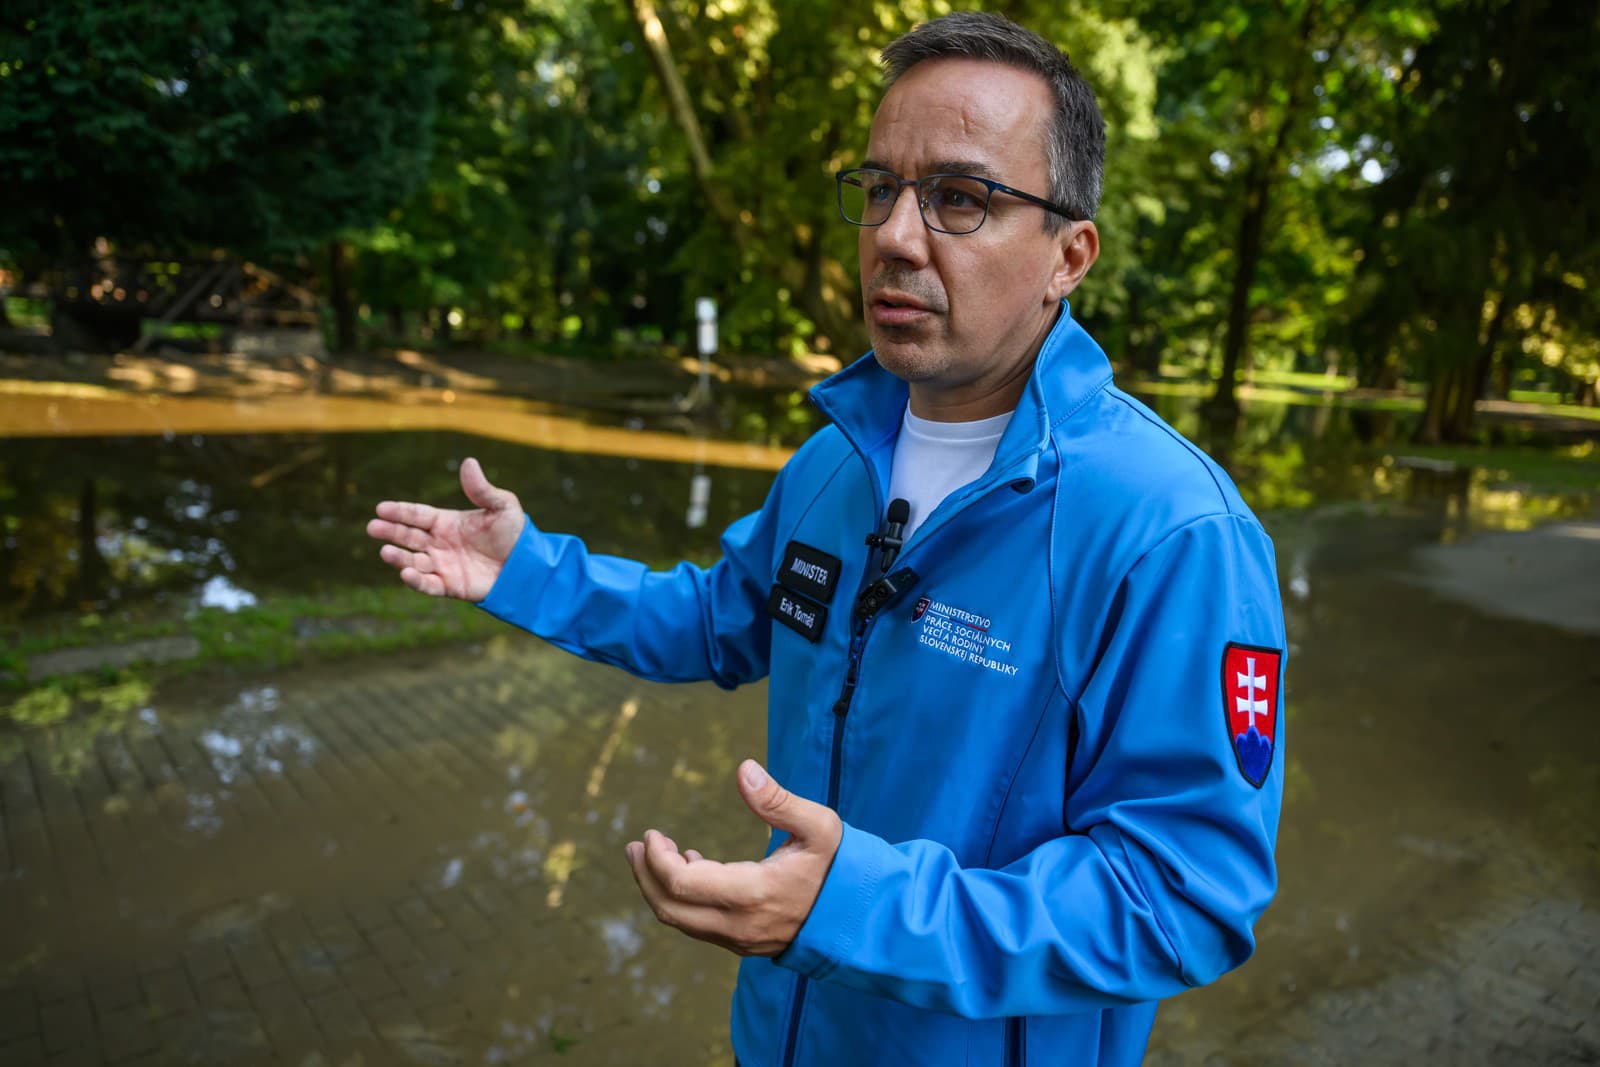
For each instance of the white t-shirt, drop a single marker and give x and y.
(934, 459)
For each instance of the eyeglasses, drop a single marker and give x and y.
(950, 203)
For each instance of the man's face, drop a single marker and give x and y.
(973, 308)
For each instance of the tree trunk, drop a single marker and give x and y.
(92, 569)
(397, 324)
(1259, 179)
(682, 109)
(344, 312)
(1470, 382)
(1247, 256)
(1145, 339)
(827, 297)
(1430, 431)
(1473, 378)
(1505, 371)
(1133, 332)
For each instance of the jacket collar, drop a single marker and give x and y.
(867, 403)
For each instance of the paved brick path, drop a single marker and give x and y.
(387, 867)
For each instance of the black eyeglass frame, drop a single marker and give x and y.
(842, 176)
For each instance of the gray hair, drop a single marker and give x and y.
(1075, 142)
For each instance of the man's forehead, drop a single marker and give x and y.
(975, 113)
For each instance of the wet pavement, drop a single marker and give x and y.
(418, 858)
(1439, 852)
(417, 862)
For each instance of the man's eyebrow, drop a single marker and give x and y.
(943, 166)
(961, 166)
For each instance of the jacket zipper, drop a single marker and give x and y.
(873, 599)
(881, 592)
(1016, 1053)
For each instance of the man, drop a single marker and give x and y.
(1029, 739)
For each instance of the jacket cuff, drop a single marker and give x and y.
(510, 588)
(829, 932)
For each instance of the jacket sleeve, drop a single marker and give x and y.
(1167, 860)
(683, 625)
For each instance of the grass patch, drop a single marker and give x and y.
(1570, 411)
(277, 631)
(182, 331)
(1294, 379)
(1575, 469)
(62, 715)
(1269, 394)
(27, 311)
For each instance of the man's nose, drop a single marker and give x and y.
(902, 235)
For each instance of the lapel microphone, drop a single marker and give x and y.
(888, 540)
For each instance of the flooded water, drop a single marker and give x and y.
(111, 498)
(418, 858)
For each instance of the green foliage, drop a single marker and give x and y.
(262, 127)
(1491, 138)
(1408, 182)
(41, 707)
(1571, 470)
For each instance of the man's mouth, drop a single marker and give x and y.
(893, 308)
(898, 300)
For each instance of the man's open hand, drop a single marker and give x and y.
(451, 553)
(753, 909)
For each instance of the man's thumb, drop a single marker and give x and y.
(480, 490)
(776, 806)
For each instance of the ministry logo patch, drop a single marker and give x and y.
(1250, 706)
(962, 634)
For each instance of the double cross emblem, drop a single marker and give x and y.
(1251, 683)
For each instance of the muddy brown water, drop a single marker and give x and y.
(418, 858)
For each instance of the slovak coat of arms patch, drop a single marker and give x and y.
(1250, 706)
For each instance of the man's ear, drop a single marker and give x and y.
(1079, 247)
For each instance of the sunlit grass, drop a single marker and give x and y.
(1303, 380)
(1286, 387)
(1200, 390)
(278, 631)
(28, 312)
(1571, 469)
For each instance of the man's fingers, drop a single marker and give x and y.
(691, 878)
(431, 584)
(666, 865)
(422, 516)
(481, 491)
(400, 559)
(396, 533)
(696, 919)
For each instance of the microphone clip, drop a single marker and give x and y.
(889, 539)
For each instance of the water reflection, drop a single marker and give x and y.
(198, 517)
(228, 519)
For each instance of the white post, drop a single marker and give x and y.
(705, 311)
(699, 499)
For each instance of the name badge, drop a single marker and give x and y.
(809, 571)
(800, 614)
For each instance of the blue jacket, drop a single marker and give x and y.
(1054, 735)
